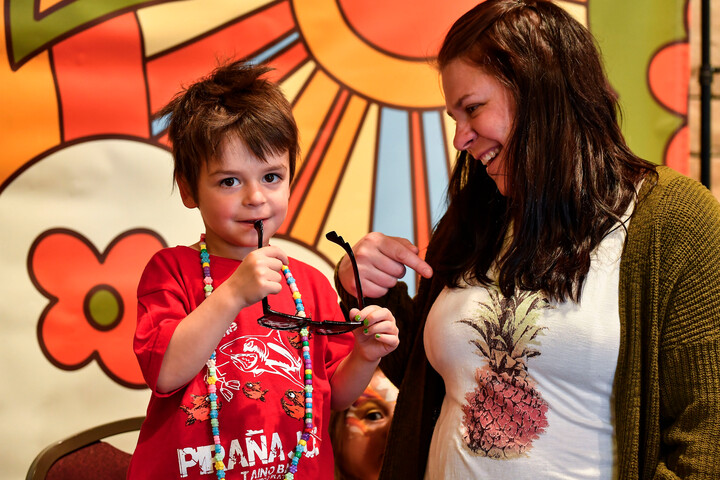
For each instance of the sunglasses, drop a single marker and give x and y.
(284, 321)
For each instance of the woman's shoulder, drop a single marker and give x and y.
(675, 195)
(675, 206)
(672, 182)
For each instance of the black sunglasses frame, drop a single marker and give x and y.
(284, 321)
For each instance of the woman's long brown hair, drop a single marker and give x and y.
(570, 174)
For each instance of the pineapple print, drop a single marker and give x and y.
(505, 412)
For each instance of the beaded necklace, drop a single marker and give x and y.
(212, 378)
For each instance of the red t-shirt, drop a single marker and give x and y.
(260, 378)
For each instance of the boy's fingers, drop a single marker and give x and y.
(274, 252)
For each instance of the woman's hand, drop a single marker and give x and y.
(382, 261)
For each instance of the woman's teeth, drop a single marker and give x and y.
(485, 159)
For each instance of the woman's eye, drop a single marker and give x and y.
(229, 182)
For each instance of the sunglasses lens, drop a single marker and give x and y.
(334, 328)
(278, 322)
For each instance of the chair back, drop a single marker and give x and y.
(85, 455)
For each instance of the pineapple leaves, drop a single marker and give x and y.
(507, 329)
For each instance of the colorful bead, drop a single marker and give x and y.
(212, 379)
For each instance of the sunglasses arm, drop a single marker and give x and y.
(259, 228)
(337, 239)
(358, 285)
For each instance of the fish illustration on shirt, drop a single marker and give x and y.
(254, 391)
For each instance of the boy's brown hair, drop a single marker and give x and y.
(232, 100)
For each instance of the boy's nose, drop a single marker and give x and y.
(253, 195)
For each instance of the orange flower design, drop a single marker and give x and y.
(669, 77)
(93, 302)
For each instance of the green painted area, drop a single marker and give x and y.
(629, 33)
(28, 35)
(104, 308)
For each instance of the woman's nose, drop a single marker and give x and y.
(464, 136)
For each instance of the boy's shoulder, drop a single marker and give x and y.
(174, 255)
(169, 261)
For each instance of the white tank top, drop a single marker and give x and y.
(529, 383)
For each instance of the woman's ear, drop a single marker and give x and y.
(186, 193)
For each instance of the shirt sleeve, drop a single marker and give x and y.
(162, 305)
(689, 279)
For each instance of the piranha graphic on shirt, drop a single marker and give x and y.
(293, 402)
(254, 391)
(199, 410)
(251, 357)
(505, 412)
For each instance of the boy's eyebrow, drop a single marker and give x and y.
(280, 164)
(270, 166)
(221, 171)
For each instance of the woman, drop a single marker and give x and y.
(567, 324)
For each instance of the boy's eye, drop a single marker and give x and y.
(271, 177)
(229, 182)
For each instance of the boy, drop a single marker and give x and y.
(230, 395)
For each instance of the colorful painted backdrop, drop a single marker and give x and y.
(85, 173)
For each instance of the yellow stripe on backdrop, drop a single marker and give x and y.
(449, 128)
(355, 191)
(292, 85)
(319, 196)
(159, 23)
(310, 109)
(29, 124)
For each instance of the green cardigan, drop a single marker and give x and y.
(667, 382)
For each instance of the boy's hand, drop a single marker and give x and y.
(380, 334)
(258, 276)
